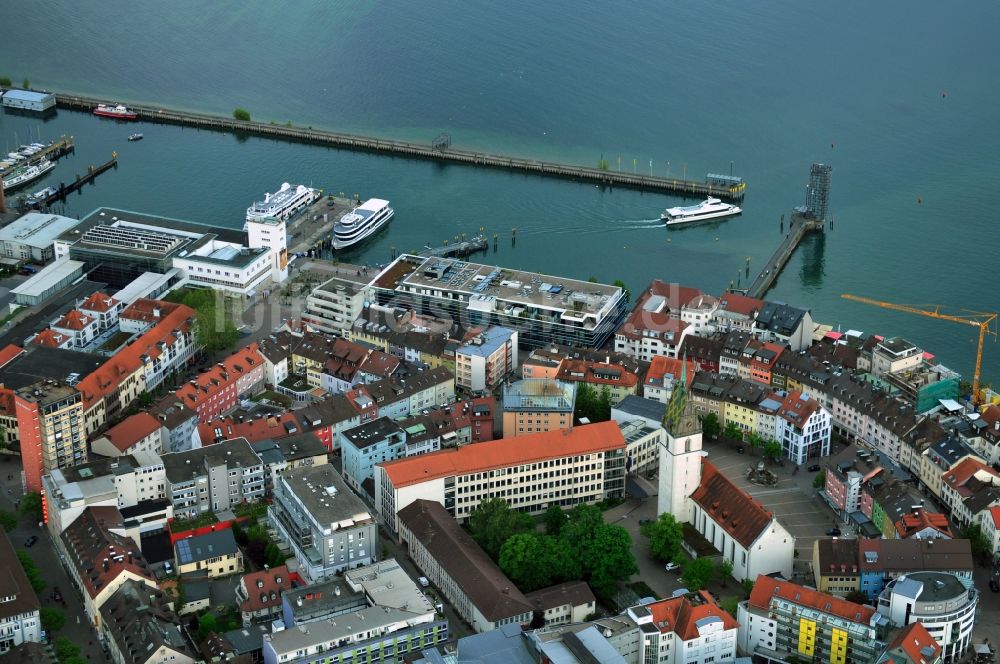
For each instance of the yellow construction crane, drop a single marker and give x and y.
(981, 320)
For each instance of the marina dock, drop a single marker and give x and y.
(81, 180)
(799, 227)
(312, 228)
(53, 151)
(437, 150)
(459, 249)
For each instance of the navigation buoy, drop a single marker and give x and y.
(920, 200)
(944, 93)
(833, 144)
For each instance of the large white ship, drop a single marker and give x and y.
(361, 222)
(710, 208)
(26, 174)
(283, 203)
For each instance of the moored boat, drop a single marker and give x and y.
(135, 137)
(26, 174)
(361, 222)
(118, 111)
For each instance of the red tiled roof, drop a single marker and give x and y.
(100, 555)
(964, 470)
(74, 320)
(51, 338)
(9, 353)
(259, 587)
(797, 408)
(730, 506)
(680, 615)
(661, 365)
(99, 302)
(740, 304)
(587, 439)
(380, 364)
(218, 378)
(588, 372)
(995, 513)
(675, 295)
(766, 587)
(265, 428)
(105, 379)
(912, 640)
(640, 320)
(131, 430)
(149, 311)
(920, 519)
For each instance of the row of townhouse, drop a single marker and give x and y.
(794, 419)
(220, 388)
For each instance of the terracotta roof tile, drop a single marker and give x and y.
(219, 378)
(99, 302)
(263, 589)
(920, 519)
(765, 588)
(731, 507)
(51, 338)
(680, 615)
(74, 320)
(912, 640)
(9, 353)
(595, 372)
(588, 439)
(740, 304)
(264, 428)
(131, 430)
(661, 365)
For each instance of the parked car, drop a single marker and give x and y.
(833, 532)
(31, 541)
(423, 582)
(168, 567)
(672, 567)
(739, 449)
(814, 468)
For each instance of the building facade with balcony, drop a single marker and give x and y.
(213, 478)
(327, 527)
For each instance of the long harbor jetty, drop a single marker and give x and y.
(799, 227)
(439, 150)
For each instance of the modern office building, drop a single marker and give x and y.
(945, 604)
(534, 405)
(783, 619)
(333, 306)
(327, 527)
(543, 310)
(585, 464)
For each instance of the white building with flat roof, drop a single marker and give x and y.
(32, 237)
(50, 280)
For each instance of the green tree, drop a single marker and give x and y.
(5, 82)
(820, 480)
(535, 561)
(582, 522)
(698, 573)
(241, 114)
(554, 518)
(592, 279)
(710, 426)
(493, 521)
(747, 586)
(8, 520)
(31, 571)
(65, 649)
(52, 619)
(207, 623)
(26, 84)
(724, 571)
(603, 409)
(755, 442)
(608, 559)
(31, 505)
(732, 432)
(730, 605)
(772, 450)
(979, 543)
(618, 283)
(214, 324)
(586, 402)
(665, 536)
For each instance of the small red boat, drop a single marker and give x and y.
(119, 112)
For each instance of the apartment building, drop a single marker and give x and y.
(389, 619)
(375, 442)
(542, 309)
(136, 433)
(101, 558)
(618, 381)
(20, 620)
(140, 627)
(736, 312)
(534, 405)
(327, 527)
(663, 374)
(783, 619)
(963, 481)
(50, 429)
(585, 464)
(945, 604)
(784, 324)
(689, 629)
(334, 305)
(400, 396)
(802, 426)
(220, 389)
(259, 594)
(485, 360)
(213, 478)
(210, 555)
(328, 418)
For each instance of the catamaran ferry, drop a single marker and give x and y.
(361, 222)
(283, 203)
(710, 208)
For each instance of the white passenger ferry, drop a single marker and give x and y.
(283, 203)
(710, 208)
(361, 222)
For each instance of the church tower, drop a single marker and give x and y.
(680, 460)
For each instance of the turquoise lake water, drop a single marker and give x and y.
(900, 97)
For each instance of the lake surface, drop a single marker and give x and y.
(900, 97)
